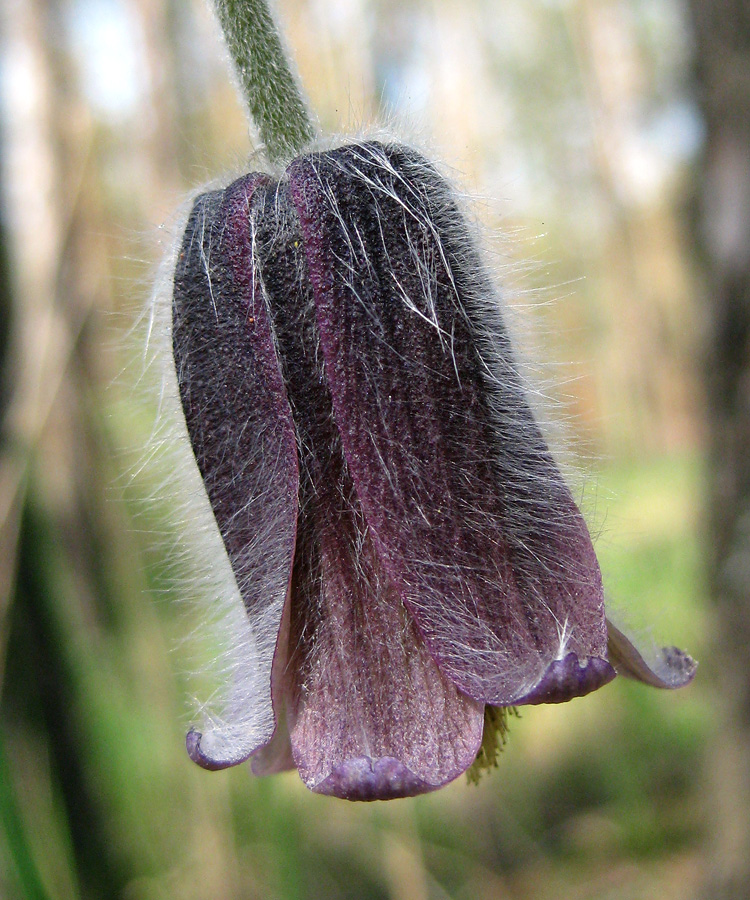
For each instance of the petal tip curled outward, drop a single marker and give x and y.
(660, 667)
(570, 677)
(202, 756)
(216, 749)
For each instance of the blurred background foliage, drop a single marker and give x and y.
(583, 127)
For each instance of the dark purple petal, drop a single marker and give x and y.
(370, 715)
(662, 667)
(374, 718)
(240, 427)
(469, 515)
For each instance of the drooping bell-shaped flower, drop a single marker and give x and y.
(405, 547)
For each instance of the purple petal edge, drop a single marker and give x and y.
(370, 779)
(667, 667)
(567, 678)
(193, 745)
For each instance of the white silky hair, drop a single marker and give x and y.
(230, 655)
(227, 656)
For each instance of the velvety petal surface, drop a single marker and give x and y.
(469, 517)
(374, 717)
(661, 667)
(370, 715)
(240, 427)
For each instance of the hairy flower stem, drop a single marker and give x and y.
(270, 89)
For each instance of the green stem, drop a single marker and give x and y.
(270, 89)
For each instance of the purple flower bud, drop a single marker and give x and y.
(405, 546)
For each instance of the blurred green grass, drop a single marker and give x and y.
(592, 799)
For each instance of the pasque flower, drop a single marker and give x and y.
(406, 549)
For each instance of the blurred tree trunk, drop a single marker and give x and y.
(722, 47)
